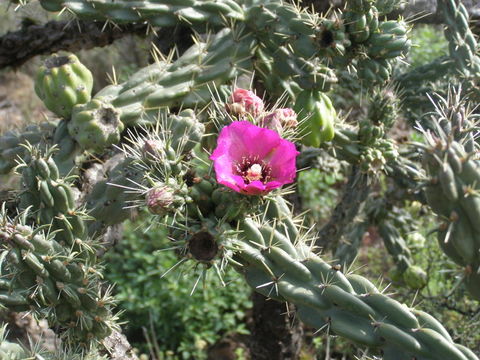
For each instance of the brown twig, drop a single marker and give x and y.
(19, 46)
(355, 193)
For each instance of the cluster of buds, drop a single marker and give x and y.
(245, 105)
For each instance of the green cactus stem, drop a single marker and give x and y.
(51, 280)
(12, 149)
(349, 305)
(166, 13)
(182, 83)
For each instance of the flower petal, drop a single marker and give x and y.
(243, 140)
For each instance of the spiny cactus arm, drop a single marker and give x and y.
(14, 351)
(347, 305)
(53, 198)
(149, 161)
(46, 277)
(453, 194)
(51, 268)
(12, 143)
(164, 13)
(462, 43)
(186, 83)
(20, 46)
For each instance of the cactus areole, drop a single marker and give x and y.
(253, 160)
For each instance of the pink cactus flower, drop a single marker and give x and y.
(243, 102)
(280, 120)
(253, 160)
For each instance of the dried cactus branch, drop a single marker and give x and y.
(20, 46)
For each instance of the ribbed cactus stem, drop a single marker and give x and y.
(183, 83)
(152, 160)
(462, 44)
(166, 13)
(46, 276)
(284, 268)
(11, 144)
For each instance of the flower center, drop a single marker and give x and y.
(253, 169)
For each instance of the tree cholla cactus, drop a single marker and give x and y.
(208, 159)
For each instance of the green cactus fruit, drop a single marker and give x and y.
(95, 125)
(63, 82)
(361, 25)
(372, 71)
(415, 277)
(319, 115)
(389, 41)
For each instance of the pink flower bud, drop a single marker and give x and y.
(280, 120)
(243, 102)
(159, 200)
(152, 148)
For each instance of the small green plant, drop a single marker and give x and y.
(179, 319)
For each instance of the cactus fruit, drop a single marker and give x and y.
(361, 25)
(320, 116)
(95, 125)
(63, 82)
